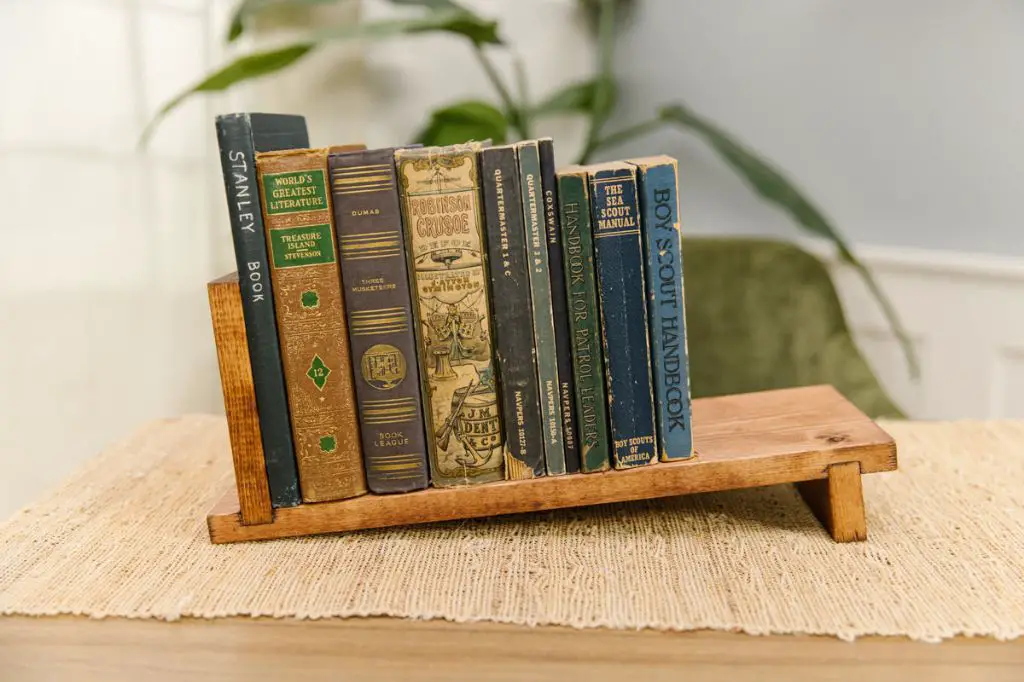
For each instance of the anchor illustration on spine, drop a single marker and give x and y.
(455, 336)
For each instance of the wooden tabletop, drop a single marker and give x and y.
(82, 649)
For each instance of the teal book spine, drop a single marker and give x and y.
(584, 322)
(618, 252)
(543, 318)
(658, 189)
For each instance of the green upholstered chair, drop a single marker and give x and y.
(764, 314)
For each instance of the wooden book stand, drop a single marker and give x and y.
(811, 436)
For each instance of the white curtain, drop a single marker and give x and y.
(107, 248)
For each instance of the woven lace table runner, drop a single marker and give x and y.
(126, 536)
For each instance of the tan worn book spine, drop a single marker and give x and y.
(310, 311)
(441, 207)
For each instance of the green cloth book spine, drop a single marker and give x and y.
(543, 319)
(584, 324)
(657, 185)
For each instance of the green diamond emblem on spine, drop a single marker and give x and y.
(310, 299)
(328, 443)
(318, 372)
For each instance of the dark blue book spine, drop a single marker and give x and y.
(619, 259)
(559, 305)
(659, 219)
(240, 136)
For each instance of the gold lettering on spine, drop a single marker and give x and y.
(323, 416)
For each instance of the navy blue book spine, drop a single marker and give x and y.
(240, 136)
(559, 304)
(666, 311)
(619, 261)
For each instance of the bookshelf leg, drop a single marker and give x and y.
(838, 502)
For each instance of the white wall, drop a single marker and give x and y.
(107, 249)
(965, 315)
(901, 118)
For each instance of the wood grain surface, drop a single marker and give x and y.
(838, 502)
(250, 650)
(742, 441)
(253, 489)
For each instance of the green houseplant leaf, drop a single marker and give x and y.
(250, 8)
(775, 188)
(242, 69)
(576, 98)
(465, 121)
(260, 64)
(432, 4)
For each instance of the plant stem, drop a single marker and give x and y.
(601, 106)
(525, 117)
(511, 109)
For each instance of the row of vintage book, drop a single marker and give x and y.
(453, 315)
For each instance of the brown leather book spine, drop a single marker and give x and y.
(310, 311)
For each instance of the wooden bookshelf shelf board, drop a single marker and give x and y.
(810, 436)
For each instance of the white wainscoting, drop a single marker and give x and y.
(965, 313)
